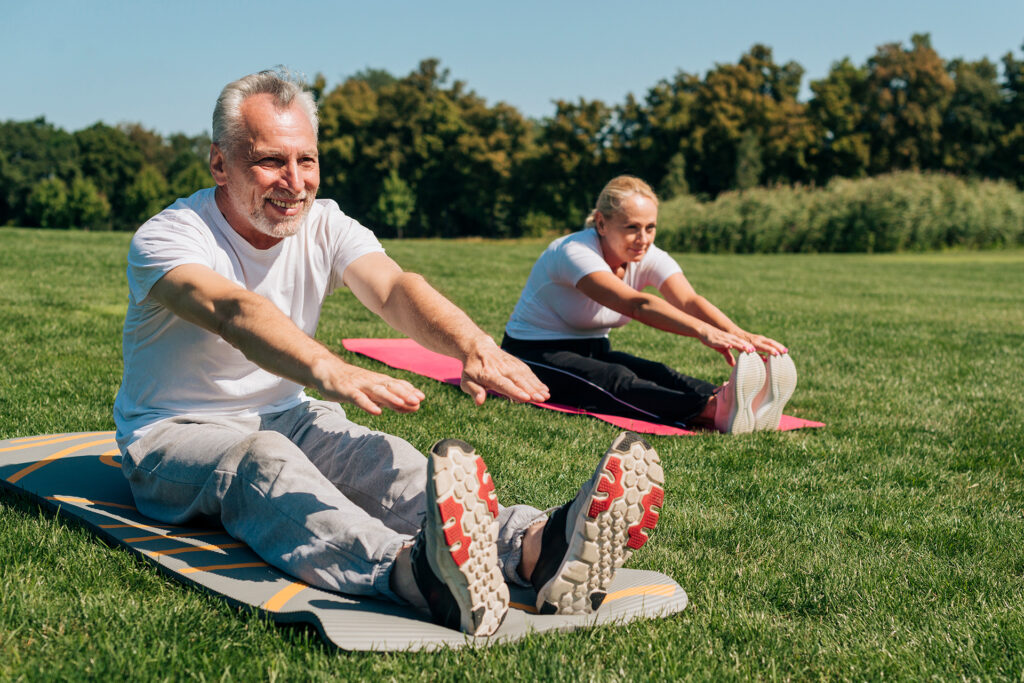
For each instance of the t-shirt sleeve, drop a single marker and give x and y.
(351, 240)
(162, 244)
(576, 260)
(658, 267)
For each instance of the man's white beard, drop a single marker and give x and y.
(283, 228)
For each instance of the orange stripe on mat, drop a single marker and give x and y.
(147, 527)
(33, 441)
(14, 478)
(523, 606)
(665, 589)
(86, 501)
(108, 458)
(279, 599)
(215, 567)
(184, 534)
(194, 549)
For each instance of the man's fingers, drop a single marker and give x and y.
(398, 395)
(478, 393)
(363, 401)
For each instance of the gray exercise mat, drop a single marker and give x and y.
(79, 475)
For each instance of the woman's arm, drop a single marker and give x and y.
(678, 291)
(608, 290)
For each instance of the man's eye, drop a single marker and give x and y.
(269, 162)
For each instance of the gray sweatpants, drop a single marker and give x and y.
(312, 493)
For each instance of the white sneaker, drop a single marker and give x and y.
(734, 413)
(777, 390)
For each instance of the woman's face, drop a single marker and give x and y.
(627, 234)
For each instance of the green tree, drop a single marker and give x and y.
(148, 194)
(657, 135)
(674, 182)
(87, 208)
(749, 164)
(47, 205)
(1009, 158)
(35, 151)
(578, 152)
(454, 151)
(837, 110)
(396, 204)
(754, 97)
(907, 94)
(972, 125)
(109, 158)
(195, 176)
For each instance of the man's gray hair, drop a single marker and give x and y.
(228, 127)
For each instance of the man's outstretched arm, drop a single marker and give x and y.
(269, 338)
(407, 302)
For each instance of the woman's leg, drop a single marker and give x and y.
(607, 387)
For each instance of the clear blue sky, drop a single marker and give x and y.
(162, 63)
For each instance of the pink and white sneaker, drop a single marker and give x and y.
(734, 413)
(777, 390)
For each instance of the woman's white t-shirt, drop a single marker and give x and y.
(550, 306)
(173, 367)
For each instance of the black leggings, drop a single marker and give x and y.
(586, 373)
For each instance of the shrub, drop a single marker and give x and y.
(894, 212)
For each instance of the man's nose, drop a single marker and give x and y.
(292, 177)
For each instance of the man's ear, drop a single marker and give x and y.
(217, 161)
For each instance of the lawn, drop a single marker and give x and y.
(888, 545)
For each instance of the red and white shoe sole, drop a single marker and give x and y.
(620, 510)
(465, 548)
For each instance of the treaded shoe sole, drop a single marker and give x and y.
(621, 505)
(781, 383)
(747, 379)
(462, 543)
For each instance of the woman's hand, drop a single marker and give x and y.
(724, 342)
(765, 345)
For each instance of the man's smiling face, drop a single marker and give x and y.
(266, 187)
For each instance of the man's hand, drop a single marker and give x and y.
(409, 304)
(368, 390)
(490, 368)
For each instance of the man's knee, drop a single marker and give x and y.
(261, 456)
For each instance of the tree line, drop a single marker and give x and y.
(421, 155)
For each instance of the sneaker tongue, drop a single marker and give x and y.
(553, 546)
(437, 595)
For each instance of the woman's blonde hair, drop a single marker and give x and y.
(618, 190)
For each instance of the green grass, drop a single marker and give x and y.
(888, 545)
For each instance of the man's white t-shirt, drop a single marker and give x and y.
(550, 306)
(173, 367)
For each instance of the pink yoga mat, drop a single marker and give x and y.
(405, 354)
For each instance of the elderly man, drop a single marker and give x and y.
(226, 288)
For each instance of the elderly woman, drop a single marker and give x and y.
(590, 281)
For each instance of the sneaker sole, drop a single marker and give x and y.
(463, 549)
(622, 506)
(781, 385)
(748, 379)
